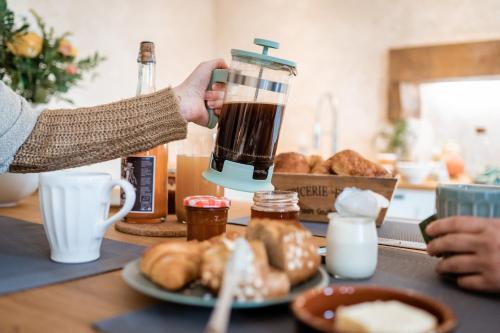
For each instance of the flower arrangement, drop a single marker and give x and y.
(39, 67)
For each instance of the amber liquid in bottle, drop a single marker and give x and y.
(147, 171)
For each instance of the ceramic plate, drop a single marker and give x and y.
(196, 295)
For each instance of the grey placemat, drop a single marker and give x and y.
(316, 228)
(396, 269)
(405, 231)
(25, 262)
(390, 230)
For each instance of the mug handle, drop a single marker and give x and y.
(219, 76)
(127, 206)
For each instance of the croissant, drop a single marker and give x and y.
(350, 163)
(172, 265)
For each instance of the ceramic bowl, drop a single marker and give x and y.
(469, 200)
(414, 173)
(16, 186)
(315, 309)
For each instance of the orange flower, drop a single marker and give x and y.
(71, 69)
(27, 45)
(67, 49)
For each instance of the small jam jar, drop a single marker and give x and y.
(276, 205)
(206, 216)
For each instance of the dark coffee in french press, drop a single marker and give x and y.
(248, 134)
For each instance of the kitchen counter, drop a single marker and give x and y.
(430, 185)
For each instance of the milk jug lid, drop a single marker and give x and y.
(263, 59)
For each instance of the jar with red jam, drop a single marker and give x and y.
(276, 205)
(206, 216)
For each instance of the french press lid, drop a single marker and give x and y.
(262, 60)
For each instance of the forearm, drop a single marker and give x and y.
(70, 138)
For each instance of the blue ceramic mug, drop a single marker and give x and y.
(469, 200)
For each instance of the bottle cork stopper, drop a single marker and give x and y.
(146, 52)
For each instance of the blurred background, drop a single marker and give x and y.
(416, 80)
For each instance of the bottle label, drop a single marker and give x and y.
(140, 172)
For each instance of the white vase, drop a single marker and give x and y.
(16, 186)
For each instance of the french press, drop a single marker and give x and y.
(256, 91)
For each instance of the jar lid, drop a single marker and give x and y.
(276, 196)
(206, 201)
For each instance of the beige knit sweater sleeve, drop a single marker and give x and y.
(73, 137)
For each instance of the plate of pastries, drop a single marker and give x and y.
(285, 264)
(344, 163)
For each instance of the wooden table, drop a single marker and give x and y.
(72, 306)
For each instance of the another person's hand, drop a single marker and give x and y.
(475, 244)
(192, 93)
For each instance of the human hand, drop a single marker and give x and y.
(475, 244)
(192, 93)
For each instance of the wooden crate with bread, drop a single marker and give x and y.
(318, 181)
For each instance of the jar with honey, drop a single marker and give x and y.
(206, 216)
(276, 205)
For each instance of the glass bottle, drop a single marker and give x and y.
(276, 205)
(482, 156)
(147, 171)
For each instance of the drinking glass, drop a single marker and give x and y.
(352, 247)
(192, 160)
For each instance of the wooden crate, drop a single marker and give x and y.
(317, 193)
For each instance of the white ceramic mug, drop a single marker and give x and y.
(75, 209)
(352, 249)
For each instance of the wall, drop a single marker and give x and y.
(340, 46)
(183, 31)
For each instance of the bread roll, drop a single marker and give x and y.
(314, 160)
(323, 168)
(291, 163)
(259, 281)
(351, 163)
(289, 248)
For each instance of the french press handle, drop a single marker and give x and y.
(218, 76)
